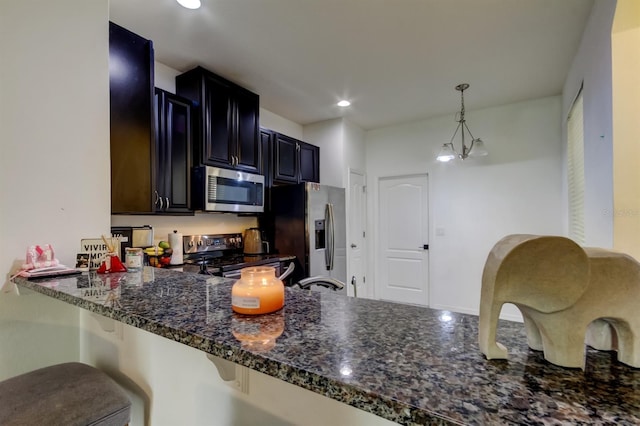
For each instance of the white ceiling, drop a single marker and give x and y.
(396, 60)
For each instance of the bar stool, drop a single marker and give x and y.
(63, 394)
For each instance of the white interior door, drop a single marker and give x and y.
(356, 243)
(403, 263)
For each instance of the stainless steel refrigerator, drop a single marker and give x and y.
(309, 221)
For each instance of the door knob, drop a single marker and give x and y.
(425, 247)
(353, 245)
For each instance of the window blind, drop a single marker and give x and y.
(575, 170)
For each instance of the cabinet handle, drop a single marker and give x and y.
(167, 198)
(155, 203)
(297, 146)
(161, 204)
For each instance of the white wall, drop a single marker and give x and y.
(280, 124)
(516, 189)
(329, 136)
(355, 151)
(54, 170)
(592, 65)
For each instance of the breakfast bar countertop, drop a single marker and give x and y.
(408, 364)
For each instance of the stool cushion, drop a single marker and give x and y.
(63, 394)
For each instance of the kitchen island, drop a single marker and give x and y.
(407, 364)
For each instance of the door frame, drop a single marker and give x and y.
(365, 249)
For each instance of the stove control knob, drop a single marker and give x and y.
(232, 241)
(190, 244)
(199, 243)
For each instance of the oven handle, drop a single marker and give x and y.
(287, 271)
(235, 274)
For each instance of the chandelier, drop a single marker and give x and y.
(475, 149)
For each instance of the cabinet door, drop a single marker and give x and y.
(173, 153)
(217, 122)
(309, 162)
(266, 137)
(247, 143)
(132, 121)
(160, 162)
(177, 171)
(285, 159)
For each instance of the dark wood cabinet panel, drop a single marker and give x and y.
(295, 161)
(227, 121)
(309, 162)
(286, 165)
(173, 146)
(266, 138)
(248, 148)
(131, 107)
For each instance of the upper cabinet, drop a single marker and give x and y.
(150, 133)
(173, 153)
(294, 161)
(227, 121)
(132, 117)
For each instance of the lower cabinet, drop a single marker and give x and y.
(173, 153)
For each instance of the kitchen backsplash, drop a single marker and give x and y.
(201, 223)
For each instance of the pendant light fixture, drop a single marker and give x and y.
(475, 149)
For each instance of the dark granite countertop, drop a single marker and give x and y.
(409, 364)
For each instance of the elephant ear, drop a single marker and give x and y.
(546, 273)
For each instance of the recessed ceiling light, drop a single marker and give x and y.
(344, 103)
(190, 4)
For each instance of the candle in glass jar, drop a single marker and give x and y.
(258, 291)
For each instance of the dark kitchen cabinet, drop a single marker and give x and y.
(227, 121)
(295, 161)
(266, 137)
(173, 153)
(132, 138)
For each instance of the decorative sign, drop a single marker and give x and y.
(96, 249)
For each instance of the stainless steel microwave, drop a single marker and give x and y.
(221, 190)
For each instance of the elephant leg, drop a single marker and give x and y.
(562, 340)
(628, 343)
(600, 336)
(534, 339)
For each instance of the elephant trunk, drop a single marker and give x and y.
(487, 332)
(490, 307)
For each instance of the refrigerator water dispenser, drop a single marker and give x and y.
(320, 235)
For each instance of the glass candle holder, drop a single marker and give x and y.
(258, 291)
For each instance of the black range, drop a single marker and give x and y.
(222, 255)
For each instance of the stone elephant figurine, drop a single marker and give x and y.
(562, 289)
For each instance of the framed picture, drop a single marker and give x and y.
(82, 261)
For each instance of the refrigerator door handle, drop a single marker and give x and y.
(329, 252)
